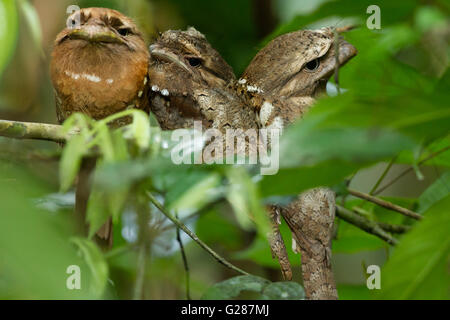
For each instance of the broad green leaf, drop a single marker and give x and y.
(418, 268)
(34, 246)
(98, 210)
(8, 31)
(284, 291)
(291, 181)
(141, 129)
(105, 142)
(243, 195)
(196, 193)
(71, 161)
(233, 287)
(96, 263)
(436, 192)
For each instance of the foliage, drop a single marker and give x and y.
(395, 106)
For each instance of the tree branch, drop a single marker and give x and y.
(386, 204)
(369, 226)
(35, 131)
(193, 236)
(311, 218)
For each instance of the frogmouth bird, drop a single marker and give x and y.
(285, 77)
(281, 83)
(99, 67)
(189, 82)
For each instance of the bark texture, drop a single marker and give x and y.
(311, 219)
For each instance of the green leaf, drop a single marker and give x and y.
(96, 263)
(71, 161)
(291, 181)
(140, 129)
(196, 191)
(97, 211)
(233, 287)
(243, 195)
(434, 193)
(8, 31)
(284, 291)
(418, 268)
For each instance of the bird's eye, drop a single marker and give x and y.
(194, 62)
(312, 65)
(124, 32)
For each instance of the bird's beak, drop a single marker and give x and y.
(346, 53)
(160, 53)
(95, 34)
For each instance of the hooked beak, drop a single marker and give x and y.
(160, 53)
(95, 34)
(346, 53)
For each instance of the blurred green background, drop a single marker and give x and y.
(396, 110)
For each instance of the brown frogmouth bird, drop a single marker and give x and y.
(99, 67)
(282, 82)
(189, 82)
(285, 77)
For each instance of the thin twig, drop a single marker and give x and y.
(383, 175)
(199, 213)
(404, 173)
(369, 226)
(385, 204)
(336, 58)
(193, 236)
(394, 228)
(185, 263)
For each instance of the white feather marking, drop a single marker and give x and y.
(266, 111)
